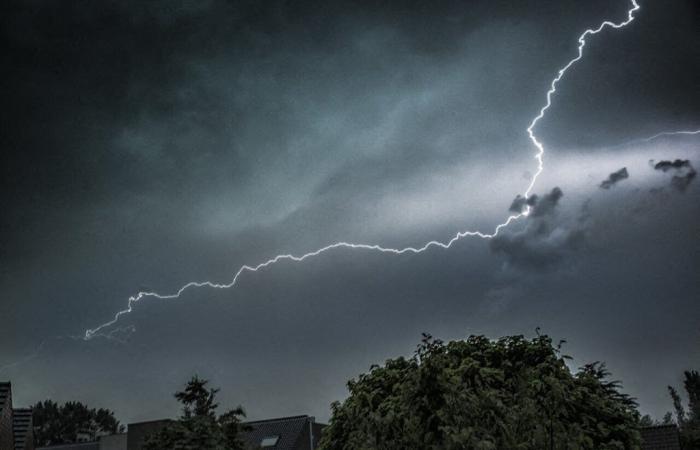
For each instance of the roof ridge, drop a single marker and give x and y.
(279, 419)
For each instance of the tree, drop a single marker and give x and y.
(647, 421)
(510, 393)
(72, 422)
(688, 421)
(199, 428)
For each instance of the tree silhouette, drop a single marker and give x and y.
(688, 421)
(72, 422)
(199, 428)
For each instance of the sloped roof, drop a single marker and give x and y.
(289, 430)
(21, 427)
(661, 437)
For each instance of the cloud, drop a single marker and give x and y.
(520, 202)
(668, 165)
(614, 177)
(547, 204)
(684, 172)
(545, 240)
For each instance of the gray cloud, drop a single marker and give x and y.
(675, 164)
(544, 240)
(520, 202)
(614, 177)
(684, 172)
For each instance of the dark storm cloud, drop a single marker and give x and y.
(545, 206)
(545, 240)
(676, 164)
(614, 177)
(520, 202)
(684, 172)
(681, 182)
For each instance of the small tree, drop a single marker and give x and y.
(199, 428)
(512, 393)
(688, 421)
(71, 422)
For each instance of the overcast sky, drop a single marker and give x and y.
(148, 144)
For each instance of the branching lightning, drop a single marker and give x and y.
(670, 133)
(660, 135)
(539, 157)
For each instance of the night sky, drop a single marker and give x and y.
(148, 144)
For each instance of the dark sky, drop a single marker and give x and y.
(148, 144)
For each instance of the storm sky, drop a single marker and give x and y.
(148, 144)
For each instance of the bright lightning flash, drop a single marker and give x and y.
(539, 156)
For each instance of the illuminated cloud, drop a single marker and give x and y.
(684, 172)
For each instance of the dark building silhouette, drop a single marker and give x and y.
(286, 433)
(293, 433)
(78, 446)
(22, 429)
(7, 438)
(138, 432)
(16, 431)
(660, 437)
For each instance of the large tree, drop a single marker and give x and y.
(199, 428)
(510, 393)
(71, 422)
(688, 420)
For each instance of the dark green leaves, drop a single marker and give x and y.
(511, 393)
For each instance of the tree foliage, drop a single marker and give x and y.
(199, 428)
(71, 422)
(688, 420)
(511, 393)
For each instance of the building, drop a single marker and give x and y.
(285, 433)
(296, 433)
(16, 431)
(660, 437)
(138, 432)
(78, 446)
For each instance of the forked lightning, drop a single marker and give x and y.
(539, 156)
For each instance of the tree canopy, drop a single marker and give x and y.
(199, 428)
(510, 393)
(71, 422)
(688, 420)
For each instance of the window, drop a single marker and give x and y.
(269, 441)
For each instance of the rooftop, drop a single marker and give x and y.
(284, 433)
(660, 437)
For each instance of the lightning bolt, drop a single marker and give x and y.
(539, 157)
(659, 135)
(117, 335)
(670, 133)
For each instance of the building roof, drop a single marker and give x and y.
(22, 427)
(80, 446)
(660, 437)
(284, 433)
